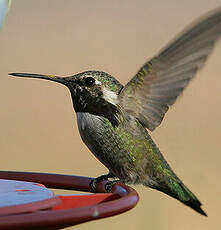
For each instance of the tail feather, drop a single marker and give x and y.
(179, 191)
(192, 200)
(195, 204)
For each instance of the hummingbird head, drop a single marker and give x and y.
(94, 92)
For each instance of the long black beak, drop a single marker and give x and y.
(41, 76)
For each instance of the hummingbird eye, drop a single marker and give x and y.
(89, 81)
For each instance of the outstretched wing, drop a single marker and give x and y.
(160, 81)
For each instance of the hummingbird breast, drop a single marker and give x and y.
(109, 145)
(126, 150)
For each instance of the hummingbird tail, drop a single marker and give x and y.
(191, 200)
(179, 191)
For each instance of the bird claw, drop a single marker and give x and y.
(109, 185)
(93, 183)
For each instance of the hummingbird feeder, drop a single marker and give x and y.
(27, 203)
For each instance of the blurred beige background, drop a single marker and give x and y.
(38, 125)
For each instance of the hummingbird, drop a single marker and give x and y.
(114, 120)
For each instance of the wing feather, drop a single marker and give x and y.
(161, 80)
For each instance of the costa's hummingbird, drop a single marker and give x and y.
(112, 119)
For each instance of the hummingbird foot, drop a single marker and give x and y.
(109, 185)
(93, 183)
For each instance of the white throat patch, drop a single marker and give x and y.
(110, 96)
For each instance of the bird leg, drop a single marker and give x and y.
(93, 183)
